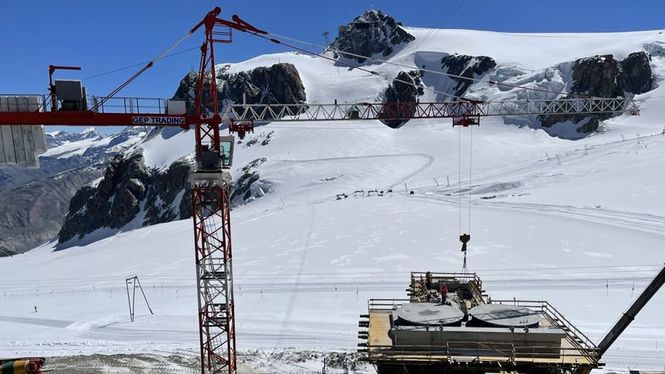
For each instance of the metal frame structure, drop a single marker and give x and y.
(209, 182)
(131, 298)
(211, 211)
(214, 273)
(131, 111)
(578, 354)
(421, 110)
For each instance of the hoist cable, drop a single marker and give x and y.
(459, 176)
(143, 69)
(470, 173)
(480, 80)
(373, 72)
(137, 64)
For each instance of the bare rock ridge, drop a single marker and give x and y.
(279, 83)
(131, 195)
(466, 66)
(129, 192)
(371, 33)
(35, 201)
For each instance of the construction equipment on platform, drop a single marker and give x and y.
(450, 325)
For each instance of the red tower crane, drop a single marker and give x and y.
(68, 105)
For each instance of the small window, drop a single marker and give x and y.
(226, 150)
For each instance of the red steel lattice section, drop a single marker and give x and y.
(212, 237)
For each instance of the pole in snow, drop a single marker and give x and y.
(131, 300)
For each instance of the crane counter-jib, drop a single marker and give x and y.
(92, 119)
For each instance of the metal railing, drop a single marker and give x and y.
(581, 346)
(557, 319)
(43, 103)
(385, 304)
(497, 351)
(130, 105)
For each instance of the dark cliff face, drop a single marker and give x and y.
(279, 83)
(405, 88)
(605, 76)
(598, 76)
(636, 73)
(35, 201)
(131, 195)
(372, 33)
(127, 189)
(466, 66)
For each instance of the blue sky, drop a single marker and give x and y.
(102, 36)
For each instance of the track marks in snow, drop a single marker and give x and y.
(37, 321)
(635, 221)
(643, 222)
(403, 179)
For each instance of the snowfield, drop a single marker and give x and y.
(580, 224)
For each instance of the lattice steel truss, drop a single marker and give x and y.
(446, 109)
(214, 272)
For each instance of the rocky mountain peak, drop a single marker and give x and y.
(371, 33)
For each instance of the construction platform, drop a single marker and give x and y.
(449, 325)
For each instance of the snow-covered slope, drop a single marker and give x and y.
(579, 223)
(306, 263)
(91, 143)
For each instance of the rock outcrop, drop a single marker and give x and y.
(371, 33)
(404, 89)
(35, 201)
(636, 72)
(279, 83)
(466, 66)
(127, 189)
(33, 213)
(598, 76)
(606, 77)
(249, 186)
(131, 195)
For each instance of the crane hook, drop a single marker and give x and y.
(464, 238)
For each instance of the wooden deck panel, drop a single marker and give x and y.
(379, 325)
